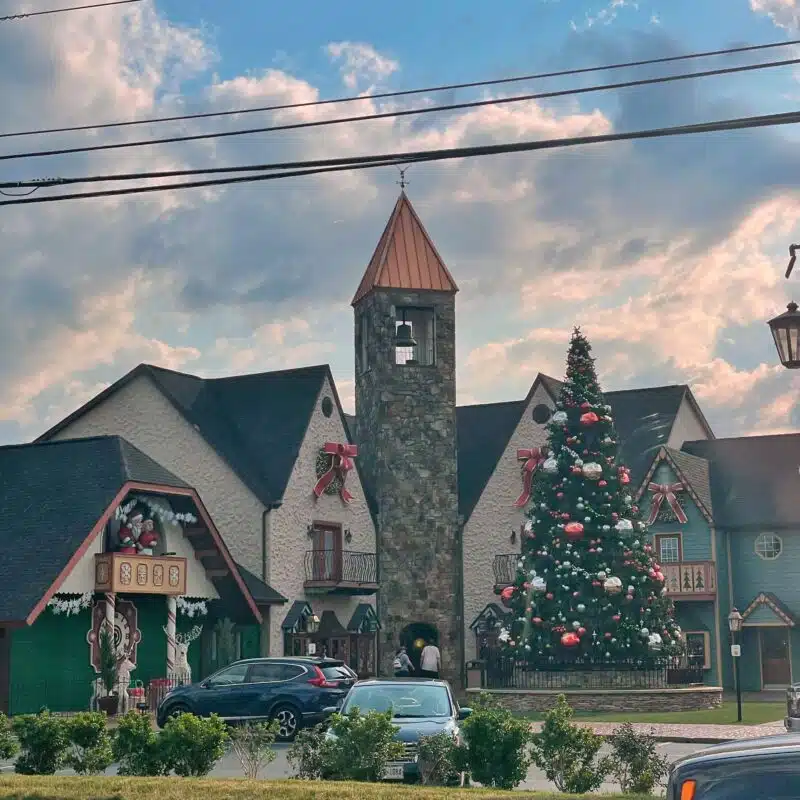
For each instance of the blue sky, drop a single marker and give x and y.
(668, 253)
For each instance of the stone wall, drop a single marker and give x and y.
(406, 431)
(610, 700)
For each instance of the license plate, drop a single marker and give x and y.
(393, 772)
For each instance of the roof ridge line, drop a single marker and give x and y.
(71, 440)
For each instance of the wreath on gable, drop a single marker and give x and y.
(666, 514)
(325, 462)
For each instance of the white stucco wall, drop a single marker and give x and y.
(140, 413)
(687, 426)
(81, 578)
(488, 530)
(289, 539)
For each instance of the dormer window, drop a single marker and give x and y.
(415, 341)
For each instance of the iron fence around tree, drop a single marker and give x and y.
(503, 672)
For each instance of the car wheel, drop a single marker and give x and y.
(174, 711)
(288, 723)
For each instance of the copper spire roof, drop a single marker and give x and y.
(405, 257)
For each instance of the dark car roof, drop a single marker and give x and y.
(412, 681)
(761, 746)
(331, 662)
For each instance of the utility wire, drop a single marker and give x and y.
(25, 15)
(404, 113)
(409, 92)
(299, 168)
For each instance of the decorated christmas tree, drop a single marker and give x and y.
(588, 586)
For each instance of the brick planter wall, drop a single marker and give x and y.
(615, 700)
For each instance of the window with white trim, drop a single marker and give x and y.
(669, 549)
(768, 546)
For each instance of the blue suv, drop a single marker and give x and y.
(294, 691)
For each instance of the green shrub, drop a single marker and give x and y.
(9, 746)
(44, 740)
(90, 750)
(137, 747)
(441, 760)
(193, 745)
(356, 747)
(252, 742)
(496, 745)
(568, 753)
(635, 762)
(306, 754)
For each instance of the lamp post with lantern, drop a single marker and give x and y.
(786, 327)
(735, 620)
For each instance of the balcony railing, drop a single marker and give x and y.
(690, 580)
(505, 569)
(342, 572)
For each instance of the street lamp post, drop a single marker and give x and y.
(786, 327)
(735, 624)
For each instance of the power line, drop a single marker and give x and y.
(300, 168)
(404, 113)
(25, 15)
(409, 92)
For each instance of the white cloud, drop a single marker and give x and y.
(360, 63)
(784, 13)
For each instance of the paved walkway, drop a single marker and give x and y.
(699, 734)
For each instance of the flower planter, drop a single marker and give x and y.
(109, 704)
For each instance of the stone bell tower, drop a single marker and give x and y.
(406, 431)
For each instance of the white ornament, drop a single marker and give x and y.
(592, 471)
(550, 465)
(644, 633)
(528, 526)
(64, 604)
(624, 525)
(560, 417)
(504, 635)
(191, 608)
(601, 575)
(612, 585)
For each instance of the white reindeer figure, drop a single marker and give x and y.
(183, 672)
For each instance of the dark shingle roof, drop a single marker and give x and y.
(363, 614)
(754, 479)
(697, 472)
(254, 422)
(51, 496)
(260, 591)
(483, 432)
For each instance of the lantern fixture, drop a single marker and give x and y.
(312, 624)
(735, 620)
(786, 333)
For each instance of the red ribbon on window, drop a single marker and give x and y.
(668, 492)
(533, 458)
(341, 464)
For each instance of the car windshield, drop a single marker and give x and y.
(405, 700)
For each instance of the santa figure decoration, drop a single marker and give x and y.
(130, 531)
(148, 539)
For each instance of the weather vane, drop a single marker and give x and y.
(402, 183)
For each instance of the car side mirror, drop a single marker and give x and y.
(205, 684)
(330, 710)
(463, 713)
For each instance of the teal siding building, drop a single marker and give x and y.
(725, 522)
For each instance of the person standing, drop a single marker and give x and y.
(430, 661)
(402, 664)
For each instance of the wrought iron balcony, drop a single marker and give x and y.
(505, 569)
(690, 580)
(341, 572)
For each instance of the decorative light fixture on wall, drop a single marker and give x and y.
(348, 536)
(310, 530)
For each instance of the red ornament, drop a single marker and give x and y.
(586, 404)
(537, 620)
(589, 418)
(507, 594)
(602, 483)
(608, 635)
(565, 515)
(549, 596)
(574, 531)
(616, 617)
(581, 631)
(570, 640)
(560, 495)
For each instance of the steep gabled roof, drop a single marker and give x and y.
(767, 608)
(483, 433)
(405, 257)
(51, 497)
(754, 480)
(256, 423)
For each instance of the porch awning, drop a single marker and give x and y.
(298, 612)
(364, 619)
(491, 617)
(767, 609)
(330, 627)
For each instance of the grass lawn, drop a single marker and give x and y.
(63, 788)
(752, 714)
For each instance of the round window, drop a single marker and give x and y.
(541, 414)
(768, 546)
(327, 406)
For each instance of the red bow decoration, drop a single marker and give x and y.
(666, 491)
(342, 463)
(533, 458)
